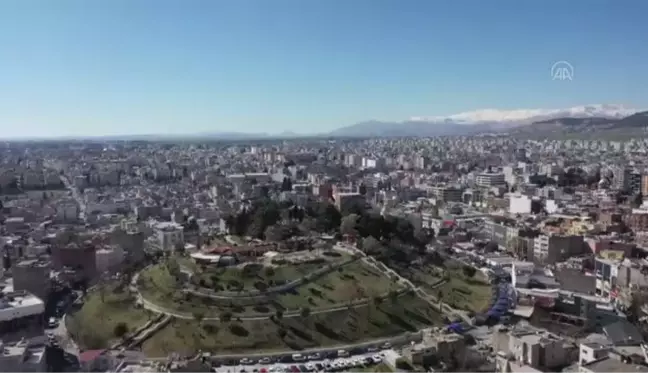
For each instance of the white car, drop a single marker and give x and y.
(310, 367)
(377, 359)
(246, 361)
(315, 356)
(265, 360)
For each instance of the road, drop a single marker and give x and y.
(77, 197)
(63, 338)
(380, 356)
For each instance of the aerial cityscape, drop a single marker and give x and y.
(289, 187)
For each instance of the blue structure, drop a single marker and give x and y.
(500, 302)
(456, 328)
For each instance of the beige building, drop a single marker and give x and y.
(22, 356)
(531, 348)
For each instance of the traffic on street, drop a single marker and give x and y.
(304, 363)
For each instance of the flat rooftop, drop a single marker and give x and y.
(18, 299)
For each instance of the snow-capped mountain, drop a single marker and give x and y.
(613, 111)
(482, 121)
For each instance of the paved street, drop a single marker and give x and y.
(349, 363)
(64, 340)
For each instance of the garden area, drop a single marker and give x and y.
(465, 289)
(381, 318)
(107, 314)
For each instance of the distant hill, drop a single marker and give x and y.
(580, 118)
(631, 123)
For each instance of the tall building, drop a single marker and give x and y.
(169, 235)
(621, 178)
(490, 179)
(33, 276)
(554, 248)
(80, 258)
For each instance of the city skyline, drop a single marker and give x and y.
(128, 68)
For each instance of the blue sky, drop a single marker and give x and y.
(80, 67)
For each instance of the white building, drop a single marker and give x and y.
(519, 204)
(490, 179)
(21, 313)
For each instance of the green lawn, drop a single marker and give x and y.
(460, 292)
(93, 325)
(352, 282)
(425, 276)
(380, 368)
(250, 276)
(407, 314)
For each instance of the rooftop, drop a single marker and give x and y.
(18, 299)
(608, 364)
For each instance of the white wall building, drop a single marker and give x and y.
(519, 204)
(490, 179)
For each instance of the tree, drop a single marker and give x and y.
(362, 189)
(469, 271)
(286, 184)
(348, 224)
(120, 330)
(274, 233)
(198, 316)
(638, 200)
(226, 316)
(393, 296)
(305, 312)
(371, 245)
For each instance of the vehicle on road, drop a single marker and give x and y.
(298, 357)
(246, 361)
(343, 353)
(265, 360)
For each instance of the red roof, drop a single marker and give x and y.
(219, 250)
(90, 355)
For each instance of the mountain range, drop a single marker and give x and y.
(586, 118)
